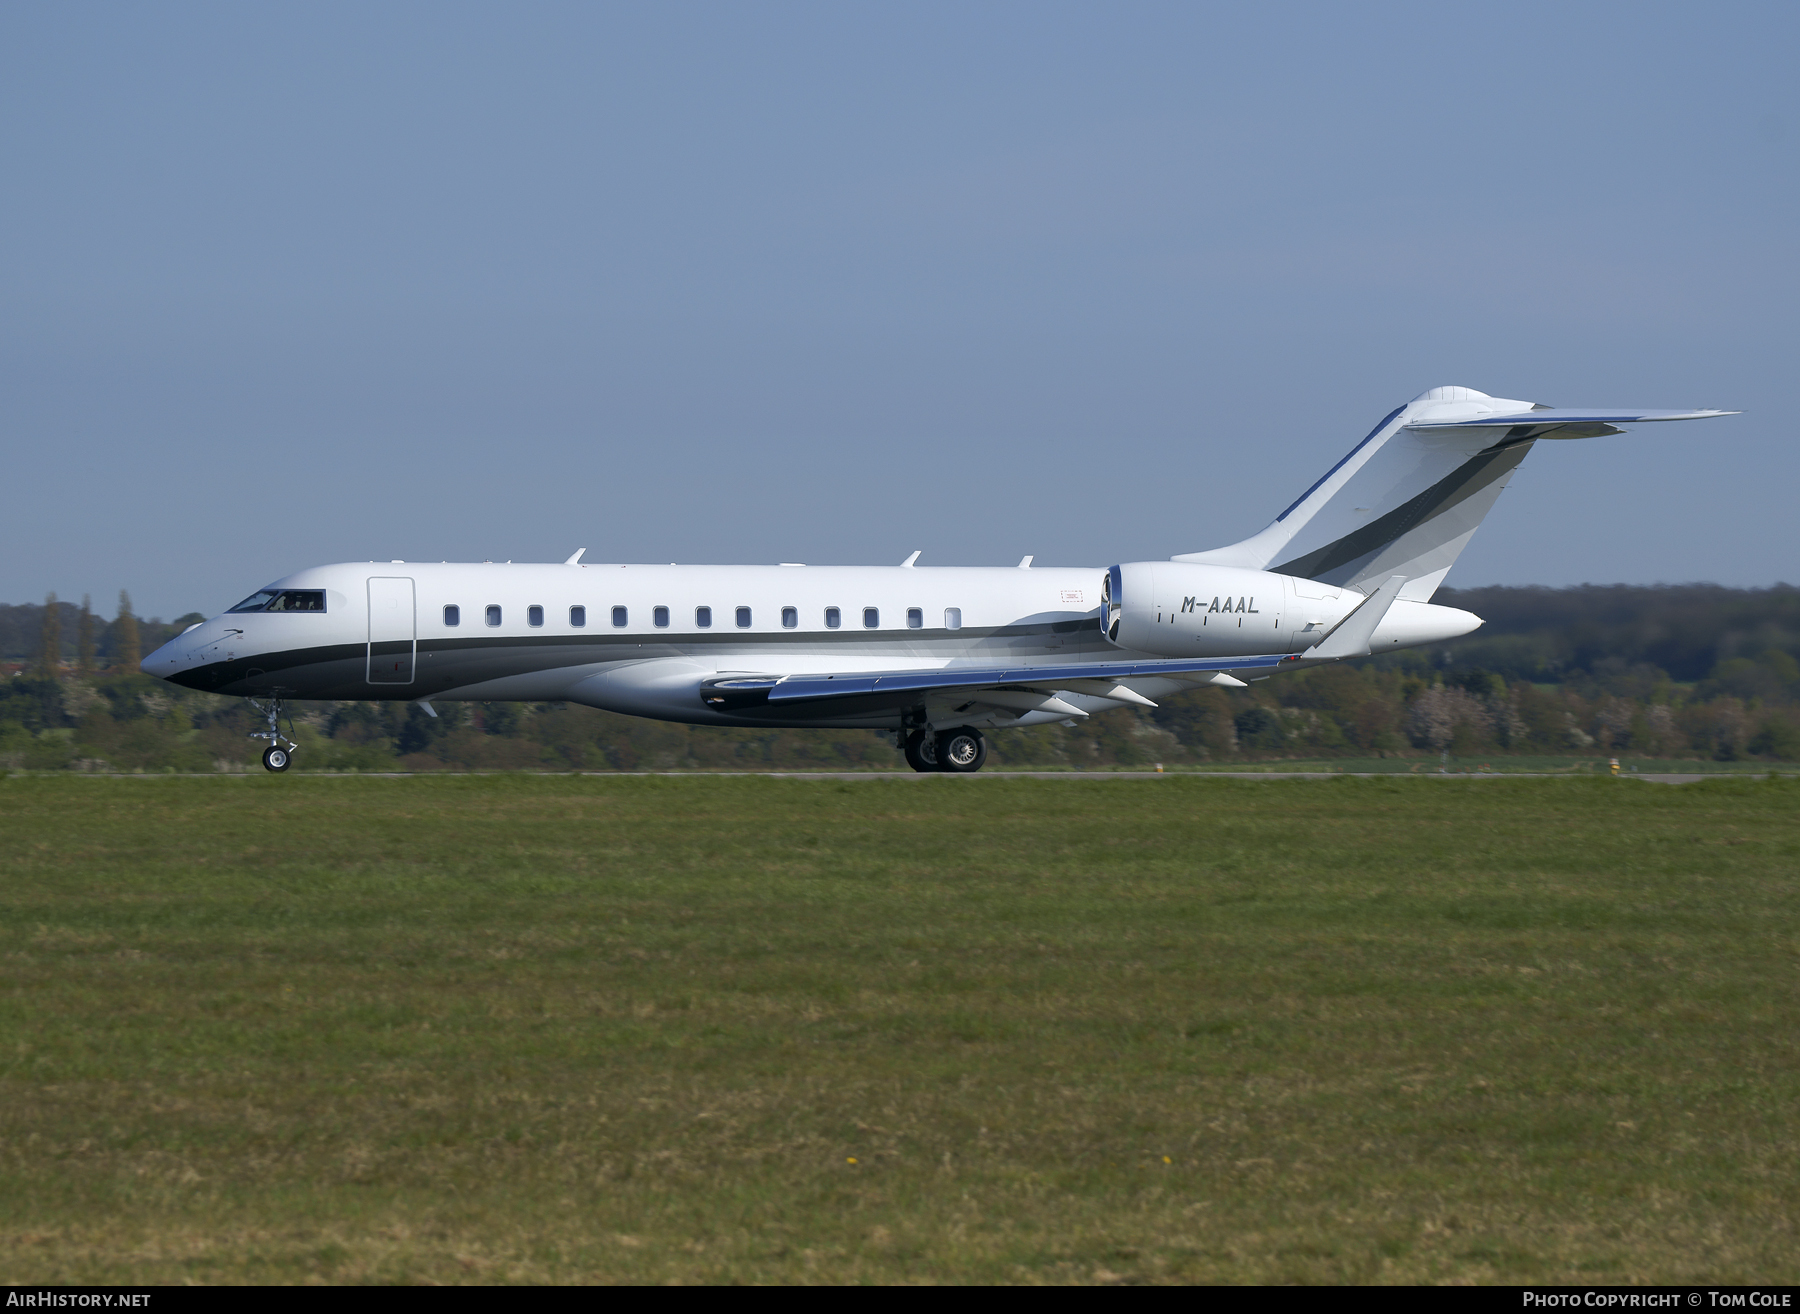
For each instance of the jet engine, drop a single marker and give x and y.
(1174, 609)
(1183, 609)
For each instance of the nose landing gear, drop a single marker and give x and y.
(275, 757)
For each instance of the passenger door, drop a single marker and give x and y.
(391, 634)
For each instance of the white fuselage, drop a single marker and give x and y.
(633, 638)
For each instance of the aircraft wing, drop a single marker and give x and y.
(731, 692)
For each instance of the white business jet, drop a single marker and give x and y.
(933, 655)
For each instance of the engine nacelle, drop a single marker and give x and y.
(1180, 609)
(1175, 609)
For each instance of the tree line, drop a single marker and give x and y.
(60, 637)
(1681, 673)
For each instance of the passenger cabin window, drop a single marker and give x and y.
(953, 618)
(833, 618)
(790, 618)
(871, 618)
(578, 617)
(534, 617)
(660, 617)
(915, 618)
(493, 615)
(743, 618)
(703, 617)
(452, 616)
(620, 617)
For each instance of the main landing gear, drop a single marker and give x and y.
(961, 751)
(275, 757)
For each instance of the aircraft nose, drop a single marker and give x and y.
(162, 663)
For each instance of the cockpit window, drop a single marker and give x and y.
(284, 600)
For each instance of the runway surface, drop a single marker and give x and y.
(1660, 778)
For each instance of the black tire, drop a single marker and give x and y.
(962, 750)
(276, 758)
(921, 751)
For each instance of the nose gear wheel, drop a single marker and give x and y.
(275, 757)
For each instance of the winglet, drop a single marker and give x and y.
(907, 564)
(576, 559)
(1350, 637)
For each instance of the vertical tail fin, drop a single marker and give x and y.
(1408, 498)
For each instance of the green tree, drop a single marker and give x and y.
(1778, 737)
(126, 648)
(84, 639)
(1375, 728)
(49, 663)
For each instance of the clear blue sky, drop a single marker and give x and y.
(286, 285)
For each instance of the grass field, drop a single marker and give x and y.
(1496, 764)
(573, 1029)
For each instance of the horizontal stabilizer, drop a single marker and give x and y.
(1572, 415)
